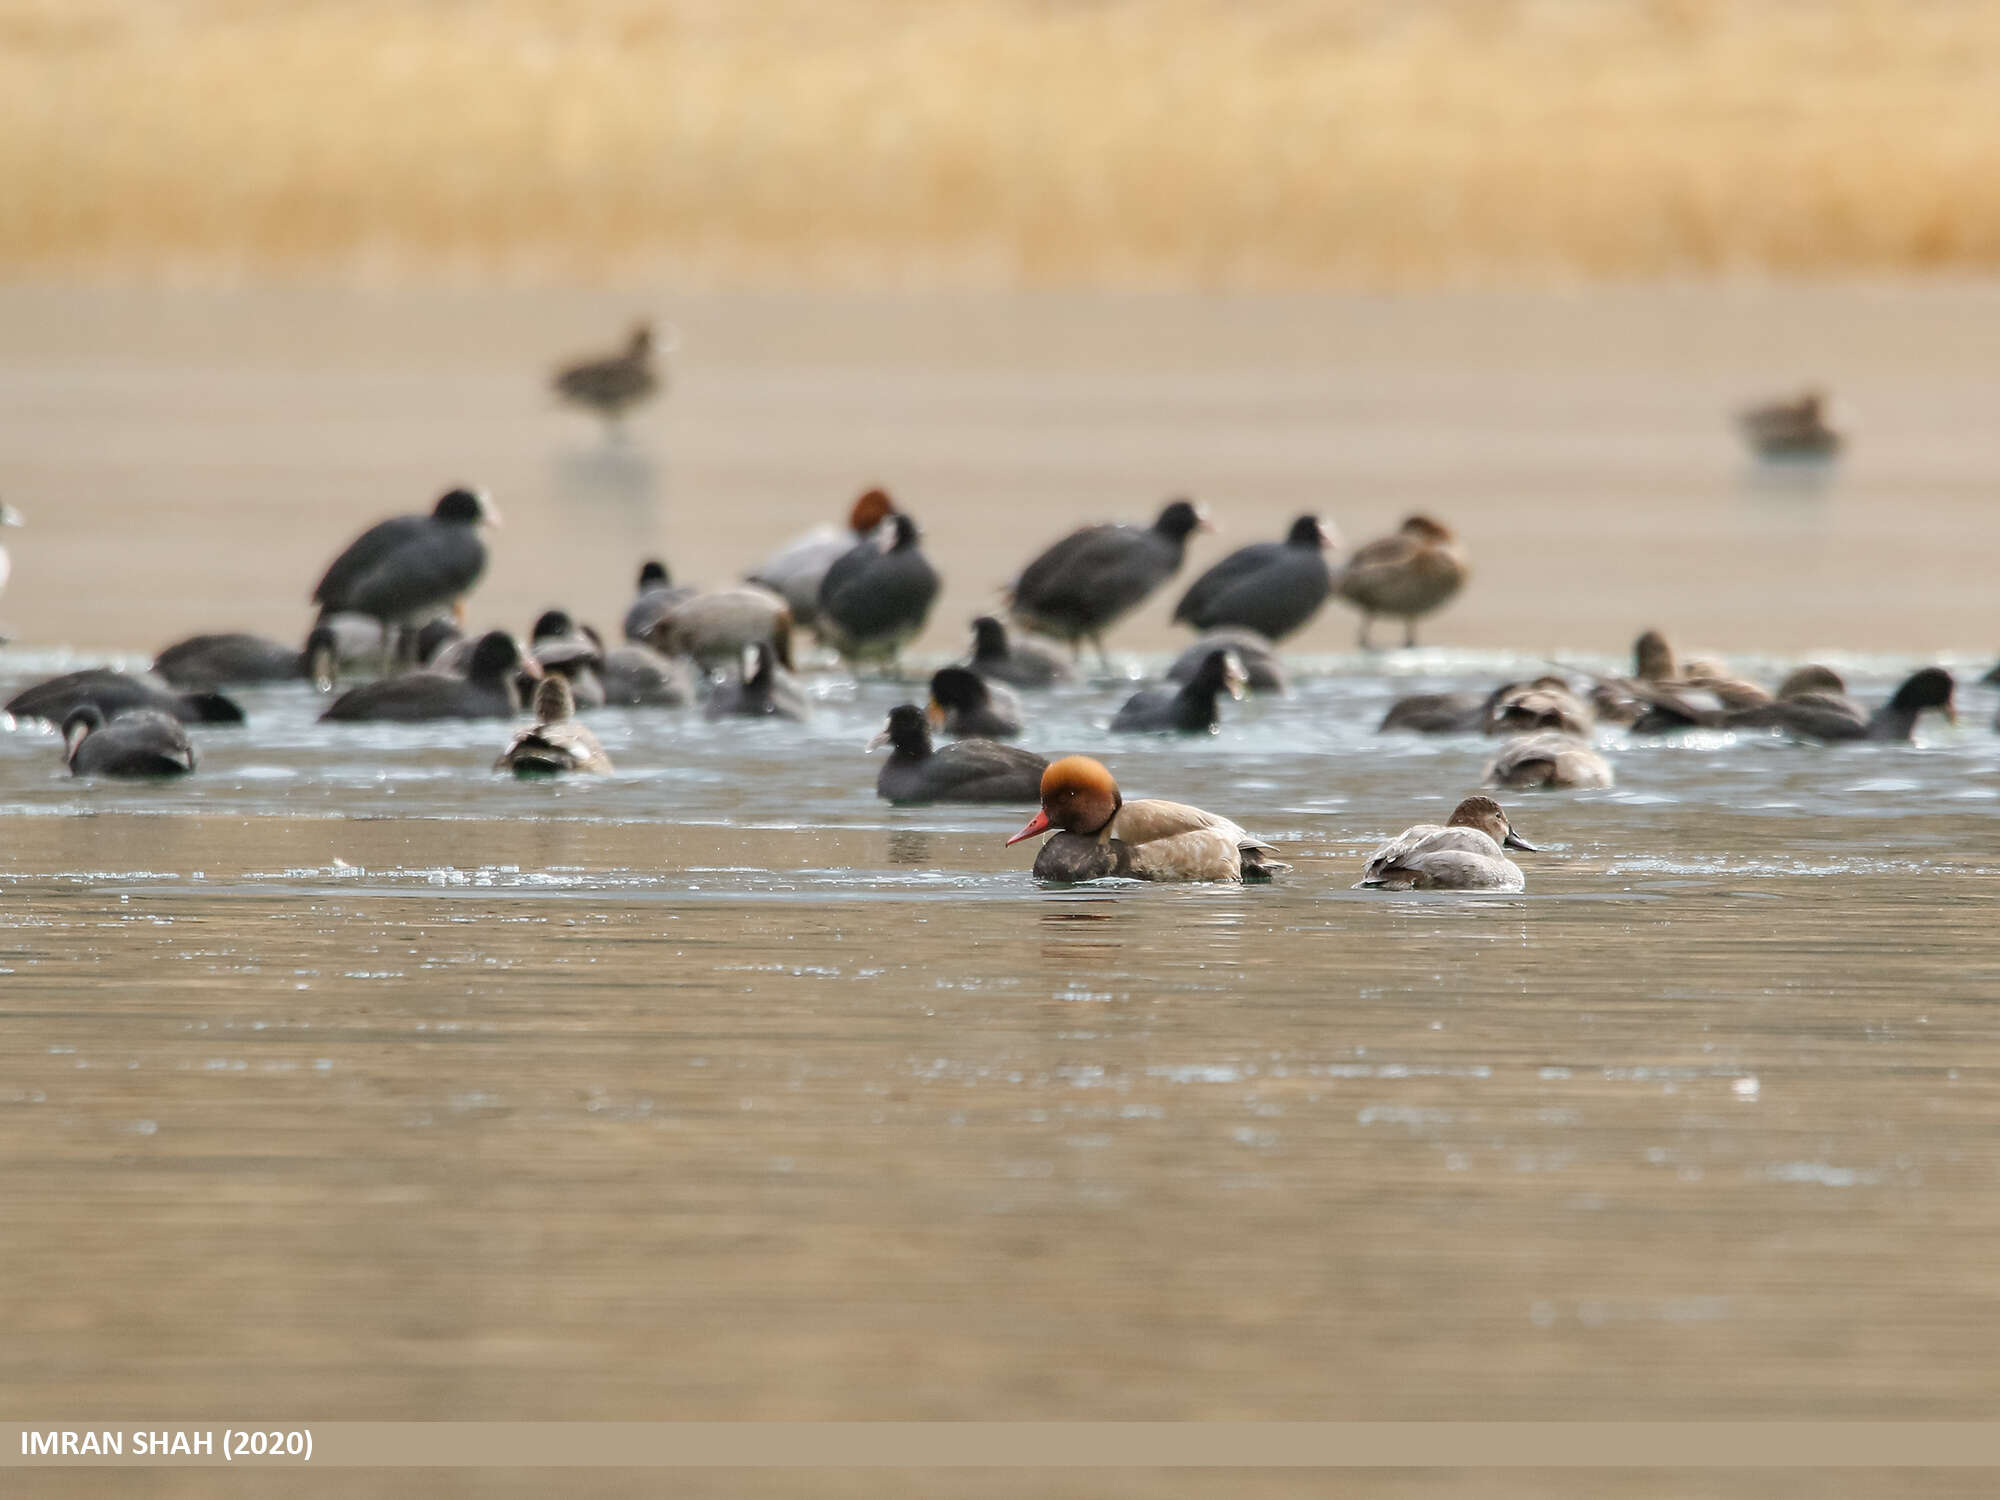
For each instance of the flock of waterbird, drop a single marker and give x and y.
(392, 602)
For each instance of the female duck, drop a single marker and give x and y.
(1100, 834)
(555, 742)
(1464, 855)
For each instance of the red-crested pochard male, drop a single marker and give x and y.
(1099, 834)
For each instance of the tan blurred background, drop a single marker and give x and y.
(1156, 143)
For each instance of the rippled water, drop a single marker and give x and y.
(346, 1079)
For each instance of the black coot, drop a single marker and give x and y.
(872, 601)
(967, 771)
(1189, 709)
(404, 570)
(140, 742)
(1080, 586)
(1263, 672)
(998, 657)
(489, 689)
(113, 693)
(1273, 588)
(965, 705)
(235, 659)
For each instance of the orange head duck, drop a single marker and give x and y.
(1097, 833)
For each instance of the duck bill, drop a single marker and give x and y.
(1515, 841)
(1038, 824)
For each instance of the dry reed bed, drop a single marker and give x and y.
(1169, 142)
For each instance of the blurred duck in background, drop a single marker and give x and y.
(1406, 575)
(795, 571)
(1798, 427)
(611, 385)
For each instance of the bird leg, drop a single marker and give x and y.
(1366, 621)
(1409, 632)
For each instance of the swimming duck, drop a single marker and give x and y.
(964, 771)
(998, 657)
(1273, 588)
(874, 600)
(1262, 671)
(1078, 587)
(717, 627)
(1188, 709)
(760, 688)
(1407, 574)
(795, 572)
(402, 571)
(610, 385)
(1793, 428)
(657, 594)
(1462, 855)
(964, 704)
(1444, 713)
(1546, 703)
(1820, 716)
(489, 689)
(1549, 759)
(555, 742)
(560, 646)
(139, 742)
(113, 693)
(235, 659)
(1099, 834)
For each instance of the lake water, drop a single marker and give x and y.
(347, 1080)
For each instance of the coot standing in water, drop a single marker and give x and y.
(874, 600)
(1082, 585)
(1273, 588)
(401, 571)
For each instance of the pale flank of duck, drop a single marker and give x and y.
(1548, 759)
(715, 628)
(1463, 854)
(555, 743)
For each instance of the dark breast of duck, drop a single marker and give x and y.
(113, 693)
(1072, 858)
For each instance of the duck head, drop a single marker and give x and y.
(989, 637)
(1653, 659)
(1181, 518)
(907, 731)
(1078, 796)
(1310, 531)
(955, 689)
(871, 510)
(1930, 688)
(1424, 529)
(463, 507)
(1484, 814)
(551, 625)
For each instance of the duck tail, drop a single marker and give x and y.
(1258, 863)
